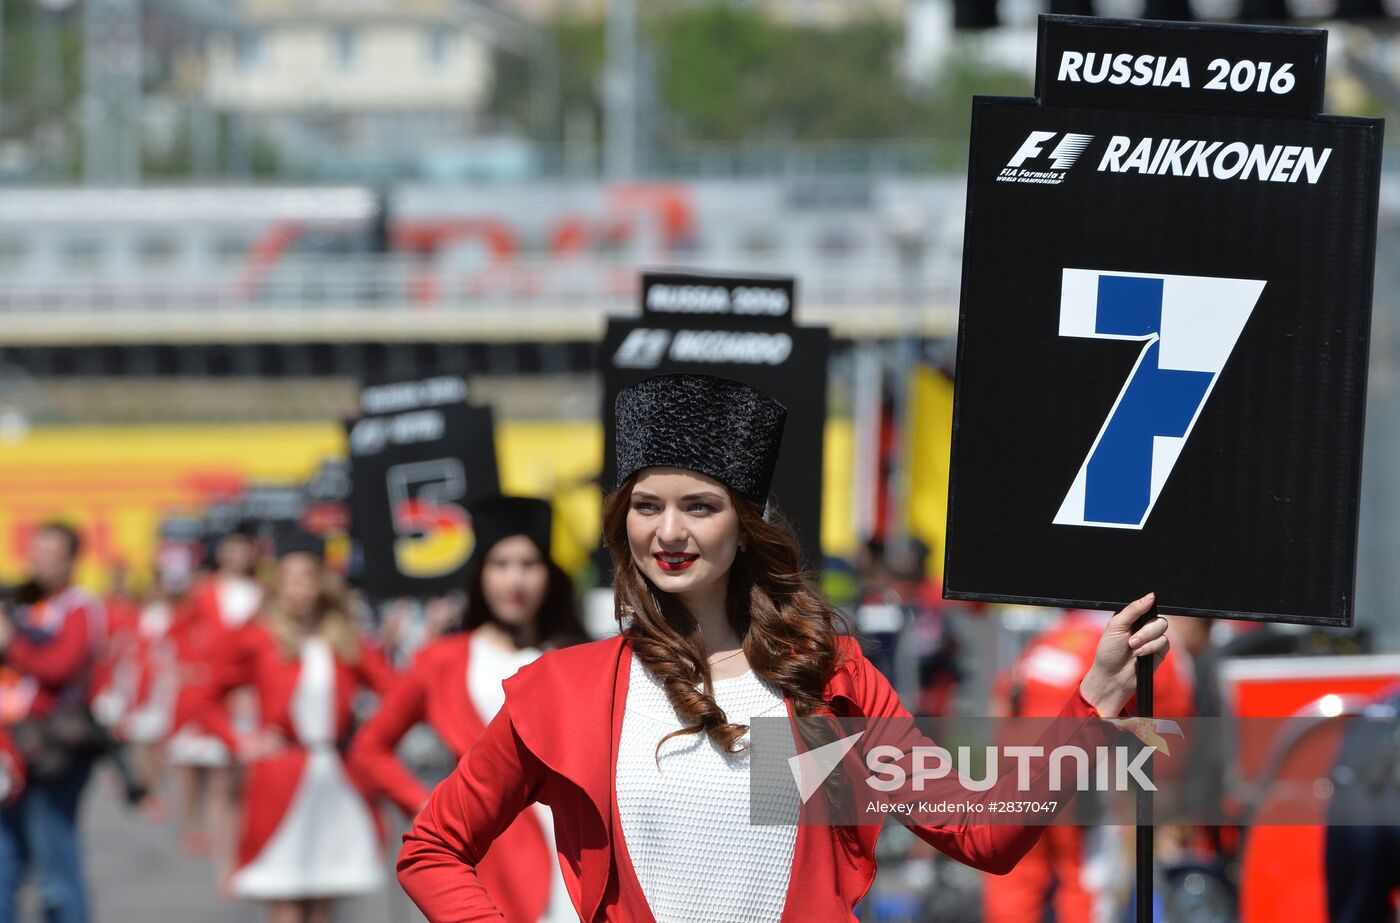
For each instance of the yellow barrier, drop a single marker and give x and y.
(117, 483)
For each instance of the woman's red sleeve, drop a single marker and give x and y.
(56, 661)
(497, 779)
(374, 669)
(372, 753)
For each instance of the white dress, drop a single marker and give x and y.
(686, 825)
(326, 844)
(489, 665)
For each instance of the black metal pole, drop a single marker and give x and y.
(1143, 795)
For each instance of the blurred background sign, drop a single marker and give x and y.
(742, 328)
(415, 473)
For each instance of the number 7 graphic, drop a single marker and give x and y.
(1188, 326)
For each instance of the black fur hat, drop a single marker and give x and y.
(716, 426)
(296, 540)
(498, 517)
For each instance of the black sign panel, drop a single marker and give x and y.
(276, 506)
(1084, 61)
(1162, 359)
(783, 360)
(415, 473)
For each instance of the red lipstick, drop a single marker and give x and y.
(674, 563)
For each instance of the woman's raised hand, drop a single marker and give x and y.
(1112, 680)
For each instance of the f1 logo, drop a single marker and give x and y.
(1188, 326)
(643, 348)
(1062, 157)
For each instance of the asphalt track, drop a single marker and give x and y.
(136, 872)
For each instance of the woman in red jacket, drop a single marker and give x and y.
(205, 774)
(307, 834)
(11, 770)
(637, 743)
(519, 602)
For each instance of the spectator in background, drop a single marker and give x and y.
(123, 609)
(48, 636)
(1205, 788)
(123, 600)
(206, 784)
(1363, 876)
(1072, 874)
(902, 620)
(11, 771)
(880, 610)
(119, 684)
(153, 675)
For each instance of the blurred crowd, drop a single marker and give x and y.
(261, 705)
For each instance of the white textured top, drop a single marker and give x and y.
(686, 826)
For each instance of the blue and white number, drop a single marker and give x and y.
(1188, 326)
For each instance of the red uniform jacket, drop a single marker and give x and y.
(123, 623)
(1053, 664)
(196, 636)
(252, 657)
(517, 872)
(555, 742)
(155, 658)
(53, 660)
(11, 770)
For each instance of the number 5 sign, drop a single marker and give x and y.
(415, 472)
(433, 530)
(1164, 327)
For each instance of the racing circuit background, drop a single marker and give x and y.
(218, 220)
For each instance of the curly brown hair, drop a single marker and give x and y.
(789, 631)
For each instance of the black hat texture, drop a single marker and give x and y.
(243, 528)
(498, 517)
(715, 426)
(298, 541)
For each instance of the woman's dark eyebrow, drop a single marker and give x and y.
(708, 495)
